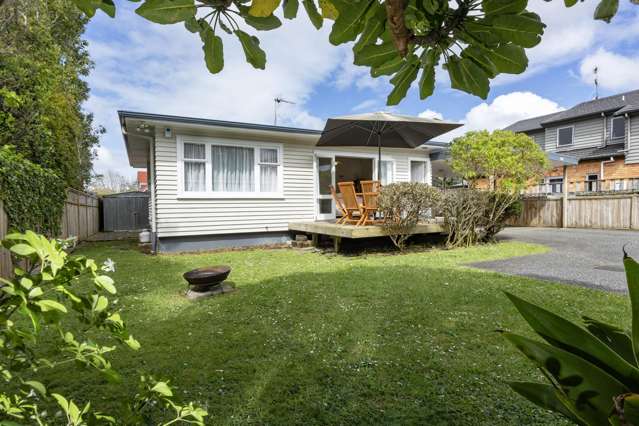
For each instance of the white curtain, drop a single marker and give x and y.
(387, 172)
(233, 169)
(268, 170)
(194, 167)
(418, 171)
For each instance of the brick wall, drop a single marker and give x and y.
(616, 170)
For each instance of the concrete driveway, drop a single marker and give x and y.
(587, 257)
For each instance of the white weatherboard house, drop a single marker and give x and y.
(220, 184)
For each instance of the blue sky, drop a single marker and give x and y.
(152, 68)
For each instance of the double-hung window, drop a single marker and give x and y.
(618, 125)
(418, 171)
(194, 167)
(565, 136)
(387, 172)
(229, 169)
(269, 166)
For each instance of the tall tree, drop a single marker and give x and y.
(43, 59)
(510, 161)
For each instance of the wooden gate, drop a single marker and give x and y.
(128, 211)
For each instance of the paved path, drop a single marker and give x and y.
(587, 257)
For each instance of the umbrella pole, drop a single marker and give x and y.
(379, 156)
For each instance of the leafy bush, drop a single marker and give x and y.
(38, 304)
(593, 371)
(402, 205)
(472, 216)
(33, 196)
(464, 211)
(500, 207)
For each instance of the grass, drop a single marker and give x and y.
(321, 339)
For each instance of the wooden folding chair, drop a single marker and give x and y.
(339, 205)
(371, 186)
(370, 193)
(352, 208)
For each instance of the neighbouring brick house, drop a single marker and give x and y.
(143, 184)
(602, 135)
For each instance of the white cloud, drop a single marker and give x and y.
(429, 113)
(503, 111)
(572, 32)
(154, 68)
(616, 72)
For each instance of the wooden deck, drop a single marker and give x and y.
(337, 232)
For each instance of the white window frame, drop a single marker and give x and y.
(612, 128)
(209, 193)
(572, 141)
(427, 172)
(204, 161)
(393, 175)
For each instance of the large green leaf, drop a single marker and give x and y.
(290, 8)
(617, 339)
(588, 389)
(478, 55)
(508, 58)
(263, 8)
(467, 76)
(479, 31)
(251, 46)
(373, 27)
(213, 50)
(497, 7)
(313, 14)
(194, 25)
(568, 336)
(260, 23)
(387, 68)
(167, 11)
(375, 54)
(403, 79)
(545, 396)
(430, 58)
(524, 29)
(632, 280)
(606, 10)
(348, 24)
(90, 6)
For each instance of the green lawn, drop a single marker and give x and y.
(310, 338)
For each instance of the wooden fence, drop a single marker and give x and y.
(81, 219)
(596, 212)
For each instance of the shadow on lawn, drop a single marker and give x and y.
(399, 344)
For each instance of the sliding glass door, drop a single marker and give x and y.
(325, 177)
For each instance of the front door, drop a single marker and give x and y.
(325, 173)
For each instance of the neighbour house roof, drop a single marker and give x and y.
(614, 150)
(530, 124)
(616, 103)
(627, 109)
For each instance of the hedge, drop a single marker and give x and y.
(33, 196)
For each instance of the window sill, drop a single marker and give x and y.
(230, 196)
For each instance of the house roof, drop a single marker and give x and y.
(597, 152)
(616, 103)
(530, 124)
(627, 109)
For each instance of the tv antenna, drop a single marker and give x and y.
(596, 71)
(277, 101)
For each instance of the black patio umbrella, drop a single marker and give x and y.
(382, 129)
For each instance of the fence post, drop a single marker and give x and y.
(564, 201)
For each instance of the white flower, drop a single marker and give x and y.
(108, 266)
